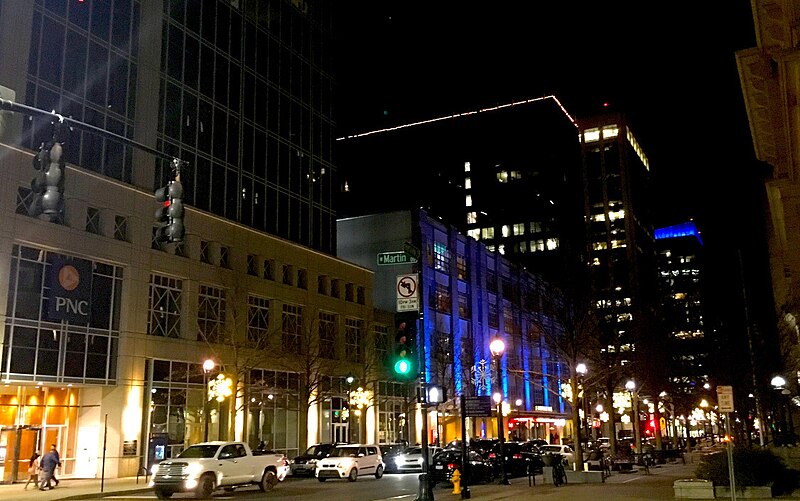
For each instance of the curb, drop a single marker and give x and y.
(95, 495)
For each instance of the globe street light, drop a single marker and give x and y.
(208, 366)
(497, 347)
(779, 384)
(349, 379)
(631, 387)
(581, 370)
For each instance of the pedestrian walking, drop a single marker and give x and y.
(58, 459)
(33, 470)
(48, 464)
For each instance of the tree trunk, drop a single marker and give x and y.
(576, 424)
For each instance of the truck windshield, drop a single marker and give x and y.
(199, 451)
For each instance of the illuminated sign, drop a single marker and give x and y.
(69, 289)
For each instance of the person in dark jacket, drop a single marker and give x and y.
(58, 458)
(48, 464)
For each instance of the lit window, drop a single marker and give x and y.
(599, 217)
(441, 257)
(501, 249)
(466, 166)
(502, 176)
(468, 201)
(506, 230)
(591, 135)
(552, 243)
(537, 245)
(610, 131)
(467, 183)
(487, 233)
(519, 229)
(476, 233)
(620, 214)
(536, 227)
(596, 261)
(599, 246)
(618, 244)
(472, 217)
(490, 248)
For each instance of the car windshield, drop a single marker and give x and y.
(199, 451)
(317, 450)
(448, 455)
(551, 448)
(414, 450)
(344, 452)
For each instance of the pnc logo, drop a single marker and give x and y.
(69, 278)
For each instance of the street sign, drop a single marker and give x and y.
(407, 292)
(478, 406)
(725, 398)
(395, 257)
(411, 250)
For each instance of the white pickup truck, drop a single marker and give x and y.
(203, 468)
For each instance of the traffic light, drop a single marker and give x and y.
(169, 215)
(48, 183)
(404, 344)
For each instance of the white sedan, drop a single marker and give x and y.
(564, 450)
(411, 458)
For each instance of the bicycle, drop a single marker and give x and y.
(559, 475)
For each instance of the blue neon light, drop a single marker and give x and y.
(688, 229)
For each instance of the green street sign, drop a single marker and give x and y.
(395, 257)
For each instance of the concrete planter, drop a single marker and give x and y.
(749, 492)
(693, 488)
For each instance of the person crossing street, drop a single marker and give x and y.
(48, 464)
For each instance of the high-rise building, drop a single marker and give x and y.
(681, 279)
(620, 234)
(241, 90)
(507, 176)
(101, 321)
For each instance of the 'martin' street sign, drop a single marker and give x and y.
(395, 257)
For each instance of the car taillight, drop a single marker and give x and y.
(517, 456)
(492, 455)
(452, 466)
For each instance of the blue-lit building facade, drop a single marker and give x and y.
(468, 295)
(680, 269)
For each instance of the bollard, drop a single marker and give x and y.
(456, 479)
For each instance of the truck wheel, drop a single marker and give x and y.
(322, 479)
(353, 476)
(206, 487)
(163, 494)
(379, 471)
(268, 481)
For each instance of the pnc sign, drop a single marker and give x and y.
(70, 289)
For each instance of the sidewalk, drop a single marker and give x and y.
(74, 489)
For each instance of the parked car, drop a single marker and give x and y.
(604, 442)
(202, 468)
(516, 463)
(350, 462)
(306, 463)
(411, 458)
(533, 455)
(565, 451)
(449, 460)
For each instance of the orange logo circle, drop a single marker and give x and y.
(69, 278)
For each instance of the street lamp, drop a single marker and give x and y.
(631, 387)
(497, 347)
(779, 383)
(349, 379)
(581, 370)
(208, 366)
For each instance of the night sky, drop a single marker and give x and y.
(669, 66)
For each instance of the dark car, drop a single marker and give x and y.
(389, 453)
(306, 463)
(449, 460)
(533, 455)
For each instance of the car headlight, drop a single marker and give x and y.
(312, 461)
(291, 461)
(194, 469)
(154, 469)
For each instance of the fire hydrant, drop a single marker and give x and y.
(456, 479)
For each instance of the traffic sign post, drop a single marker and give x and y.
(725, 404)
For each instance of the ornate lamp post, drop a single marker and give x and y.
(631, 387)
(497, 347)
(349, 379)
(208, 366)
(581, 371)
(779, 384)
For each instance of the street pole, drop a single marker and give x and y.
(205, 406)
(424, 491)
(465, 494)
(501, 432)
(730, 455)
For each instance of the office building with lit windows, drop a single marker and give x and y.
(619, 228)
(507, 176)
(241, 90)
(468, 295)
(680, 270)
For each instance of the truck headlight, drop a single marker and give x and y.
(312, 461)
(194, 469)
(154, 469)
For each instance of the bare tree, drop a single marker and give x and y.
(568, 326)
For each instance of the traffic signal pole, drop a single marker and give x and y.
(424, 492)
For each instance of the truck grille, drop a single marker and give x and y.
(171, 469)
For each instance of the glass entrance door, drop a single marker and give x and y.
(340, 433)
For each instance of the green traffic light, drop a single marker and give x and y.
(402, 366)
